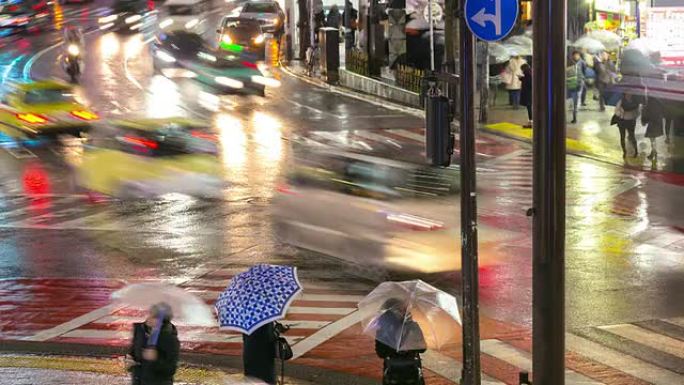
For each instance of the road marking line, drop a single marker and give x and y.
(408, 134)
(622, 362)
(375, 137)
(449, 368)
(75, 323)
(190, 336)
(506, 157)
(646, 337)
(522, 360)
(316, 110)
(328, 332)
(211, 295)
(678, 321)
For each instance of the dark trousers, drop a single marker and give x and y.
(529, 111)
(627, 130)
(514, 98)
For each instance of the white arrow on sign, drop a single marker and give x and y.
(483, 17)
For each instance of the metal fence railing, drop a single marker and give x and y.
(409, 78)
(356, 61)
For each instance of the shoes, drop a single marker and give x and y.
(652, 155)
(602, 109)
(528, 125)
(584, 104)
(574, 121)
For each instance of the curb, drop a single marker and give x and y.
(293, 369)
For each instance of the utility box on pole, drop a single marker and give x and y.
(329, 41)
(439, 141)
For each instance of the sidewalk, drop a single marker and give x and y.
(592, 135)
(70, 370)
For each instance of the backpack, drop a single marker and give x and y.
(403, 370)
(572, 78)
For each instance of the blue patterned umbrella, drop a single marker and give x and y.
(256, 297)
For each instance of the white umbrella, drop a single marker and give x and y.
(498, 53)
(521, 40)
(518, 50)
(186, 307)
(590, 44)
(410, 315)
(610, 40)
(645, 46)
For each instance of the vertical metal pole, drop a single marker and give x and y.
(548, 298)
(469, 270)
(432, 37)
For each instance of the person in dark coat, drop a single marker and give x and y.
(152, 364)
(652, 117)
(259, 353)
(526, 92)
(400, 367)
(626, 114)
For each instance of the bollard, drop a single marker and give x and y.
(524, 378)
(439, 141)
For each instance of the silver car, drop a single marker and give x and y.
(267, 12)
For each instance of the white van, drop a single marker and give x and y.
(189, 15)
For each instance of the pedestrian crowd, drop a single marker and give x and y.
(586, 71)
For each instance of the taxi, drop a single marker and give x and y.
(147, 158)
(44, 108)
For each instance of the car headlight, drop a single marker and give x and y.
(133, 19)
(164, 56)
(108, 19)
(259, 39)
(165, 23)
(226, 39)
(73, 50)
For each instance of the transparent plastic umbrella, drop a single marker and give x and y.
(498, 53)
(518, 50)
(590, 44)
(645, 46)
(186, 307)
(410, 315)
(610, 40)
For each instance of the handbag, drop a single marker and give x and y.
(614, 120)
(283, 349)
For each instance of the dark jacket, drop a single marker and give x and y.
(526, 87)
(259, 353)
(161, 371)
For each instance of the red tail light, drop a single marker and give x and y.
(142, 142)
(204, 135)
(85, 115)
(31, 118)
(249, 64)
(285, 189)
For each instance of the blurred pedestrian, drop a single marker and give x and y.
(333, 20)
(259, 353)
(526, 92)
(152, 358)
(626, 114)
(589, 75)
(606, 74)
(350, 23)
(652, 117)
(574, 79)
(400, 367)
(512, 75)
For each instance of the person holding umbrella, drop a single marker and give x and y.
(153, 356)
(251, 304)
(401, 367)
(406, 318)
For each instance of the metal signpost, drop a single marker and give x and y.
(489, 21)
(548, 259)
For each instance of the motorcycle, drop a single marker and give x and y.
(72, 62)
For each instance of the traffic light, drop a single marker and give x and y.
(439, 140)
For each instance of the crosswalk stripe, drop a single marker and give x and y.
(645, 337)
(679, 321)
(622, 362)
(448, 367)
(183, 337)
(122, 319)
(521, 359)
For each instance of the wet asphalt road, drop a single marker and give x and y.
(625, 244)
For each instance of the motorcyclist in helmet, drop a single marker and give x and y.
(73, 44)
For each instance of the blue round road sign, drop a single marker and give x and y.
(491, 20)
